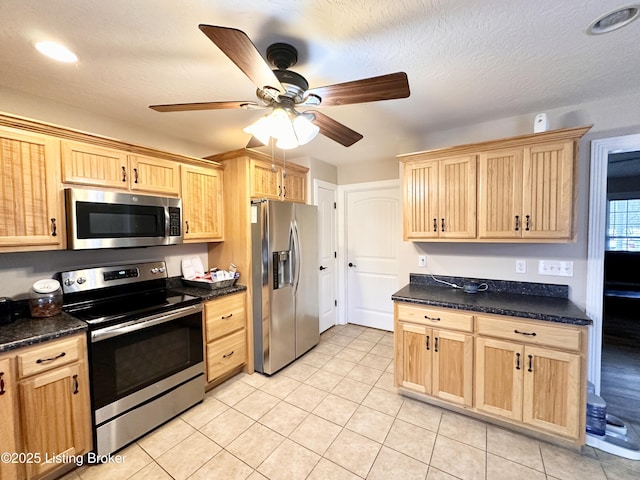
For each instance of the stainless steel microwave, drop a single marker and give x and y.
(104, 219)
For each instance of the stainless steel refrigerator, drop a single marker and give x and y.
(284, 239)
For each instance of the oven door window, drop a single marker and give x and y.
(126, 363)
(107, 220)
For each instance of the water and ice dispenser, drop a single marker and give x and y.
(282, 269)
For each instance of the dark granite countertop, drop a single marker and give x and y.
(517, 299)
(29, 331)
(175, 284)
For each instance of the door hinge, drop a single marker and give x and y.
(335, 254)
(335, 303)
(335, 205)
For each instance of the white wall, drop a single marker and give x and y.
(611, 117)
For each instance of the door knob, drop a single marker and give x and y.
(351, 264)
(322, 268)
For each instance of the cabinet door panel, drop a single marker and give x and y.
(457, 197)
(548, 191)
(500, 194)
(552, 390)
(421, 200)
(499, 367)
(30, 197)
(91, 165)
(415, 372)
(453, 366)
(154, 175)
(201, 203)
(294, 187)
(56, 418)
(9, 423)
(265, 181)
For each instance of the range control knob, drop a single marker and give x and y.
(81, 280)
(162, 269)
(69, 281)
(155, 270)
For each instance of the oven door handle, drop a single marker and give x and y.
(150, 321)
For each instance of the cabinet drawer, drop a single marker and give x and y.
(532, 332)
(49, 355)
(436, 317)
(225, 354)
(224, 315)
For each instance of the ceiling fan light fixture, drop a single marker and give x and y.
(290, 130)
(304, 127)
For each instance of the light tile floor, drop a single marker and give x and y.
(334, 414)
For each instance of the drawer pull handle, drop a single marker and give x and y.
(187, 222)
(227, 355)
(528, 224)
(2, 390)
(135, 175)
(76, 385)
(517, 223)
(124, 174)
(54, 228)
(223, 317)
(517, 361)
(532, 334)
(442, 225)
(433, 319)
(436, 345)
(530, 363)
(435, 224)
(50, 359)
(427, 342)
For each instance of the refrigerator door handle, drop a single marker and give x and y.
(295, 250)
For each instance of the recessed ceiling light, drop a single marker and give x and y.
(614, 20)
(56, 51)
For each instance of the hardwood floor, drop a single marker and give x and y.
(620, 381)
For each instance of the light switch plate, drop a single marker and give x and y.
(555, 268)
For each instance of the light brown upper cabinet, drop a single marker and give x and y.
(523, 189)
(202, 204)
(440, 198)
(31, 200)
(527, 192)
(92, 165)
(278, 182)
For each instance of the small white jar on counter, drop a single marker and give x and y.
(45, 298)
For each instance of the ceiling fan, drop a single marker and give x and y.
(285, 91)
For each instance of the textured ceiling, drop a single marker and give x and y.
(467, 61)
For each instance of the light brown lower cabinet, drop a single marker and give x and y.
(434, 361)
(527, 373)
(225, 335)
(51, 417)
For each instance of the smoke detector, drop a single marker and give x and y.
(614, 20)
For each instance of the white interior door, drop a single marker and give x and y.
(373, 238)
(325, 195)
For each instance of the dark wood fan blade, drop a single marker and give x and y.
(384, 87)
(236, 45)
(335, 130)
(254, 143)
(186, 107)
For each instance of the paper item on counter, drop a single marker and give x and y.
(192, 268)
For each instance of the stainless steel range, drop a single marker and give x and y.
(145, 348)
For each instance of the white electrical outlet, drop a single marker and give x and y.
(555, 268)
(521, 266)
(422, 260)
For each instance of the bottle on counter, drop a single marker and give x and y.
(45, 298)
